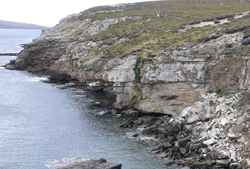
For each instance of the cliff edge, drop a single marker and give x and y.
(157, 57)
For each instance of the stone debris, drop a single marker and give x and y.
(205, 135)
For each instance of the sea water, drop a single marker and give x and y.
(45, 124)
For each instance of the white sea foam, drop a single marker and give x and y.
(37, 79)
(58, 164)
(102, 112)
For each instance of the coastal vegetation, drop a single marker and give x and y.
(180, 60)
(153, 26)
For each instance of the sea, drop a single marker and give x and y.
(44, 125)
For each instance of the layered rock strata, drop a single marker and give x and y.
(165, 83)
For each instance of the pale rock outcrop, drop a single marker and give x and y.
(166, 83)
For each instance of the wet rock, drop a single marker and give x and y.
(59, 78)
(89, 163)
(149, 130)
(148, 120)
(201, 165)
(10, 66)
(130, 113)
(127, 123)
(131, 134)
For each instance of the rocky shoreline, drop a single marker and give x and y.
(213, 133)
(185, 85)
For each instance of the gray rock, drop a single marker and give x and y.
(166, 145)
(139, 121)
(183, 151)
(207, 49)
(127, 123)
(183, 142)
(168, 162)
(89, 163)
(238, 129)
(222, 163)
(149, 130)
(209, 142)
(195, 146)
(242, 119)
(131, 134)
(175, 148)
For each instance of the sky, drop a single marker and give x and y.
(49, 12)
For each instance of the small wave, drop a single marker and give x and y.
(37, 79)
(103, 112)
(58, 164)
(64, 86)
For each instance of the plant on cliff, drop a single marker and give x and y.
(136, 93)
(152, 26)
(137, 69)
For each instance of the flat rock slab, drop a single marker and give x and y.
(88, 164)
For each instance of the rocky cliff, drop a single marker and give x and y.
(157, 57)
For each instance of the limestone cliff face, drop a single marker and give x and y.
(165, 82)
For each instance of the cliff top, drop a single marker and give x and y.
(149, 26)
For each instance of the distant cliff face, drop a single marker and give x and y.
(152, 55)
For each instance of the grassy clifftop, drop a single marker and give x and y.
(152, 26)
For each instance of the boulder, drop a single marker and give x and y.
(149, 130)
(222, 163)
(127, 123)
(166, 145)
(131, 134)
(87, 164)
(242, 119)
(209, 142)
(183, 142)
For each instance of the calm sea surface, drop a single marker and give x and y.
(41, 123)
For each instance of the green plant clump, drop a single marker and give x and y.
(153, 26)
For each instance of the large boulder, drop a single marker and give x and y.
(85, 164)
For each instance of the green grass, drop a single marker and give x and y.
(150, 33)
